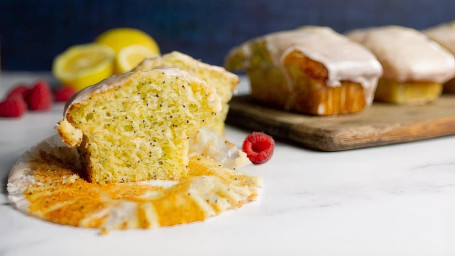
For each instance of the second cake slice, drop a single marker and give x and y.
(217, 77)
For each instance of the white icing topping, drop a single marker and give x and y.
(406, 54)
(444, 34)
(344, 59)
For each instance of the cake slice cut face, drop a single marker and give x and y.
(217, 77)
(137, 126)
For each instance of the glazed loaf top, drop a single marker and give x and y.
(406, 54)
(344, 59)
(444, 34)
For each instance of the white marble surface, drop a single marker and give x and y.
(391, 200)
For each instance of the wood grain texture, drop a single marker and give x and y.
(380, 124)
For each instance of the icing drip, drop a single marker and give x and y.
(406, 54)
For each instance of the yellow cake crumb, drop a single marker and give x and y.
(138, 127)
(224, 82)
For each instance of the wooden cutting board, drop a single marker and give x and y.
(380, 124)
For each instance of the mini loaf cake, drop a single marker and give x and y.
(311, 70)
(444, 34)
(224, 82)
(414, 66)
(137, 125)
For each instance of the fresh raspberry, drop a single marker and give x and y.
(12, 107)
(258, 147)
(19, 90)
(40, 97)
(64, 94)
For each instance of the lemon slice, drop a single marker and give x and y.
(83, 65)
(129, 57)
(120, 38)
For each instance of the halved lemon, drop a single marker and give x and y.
(119, 38)
(129, 57)
(83, 65)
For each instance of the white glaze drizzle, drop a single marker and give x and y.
(406, 54)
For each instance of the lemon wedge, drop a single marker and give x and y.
(129, 57)
(83, 65)
(119, 38)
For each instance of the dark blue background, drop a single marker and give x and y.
(33, 32)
